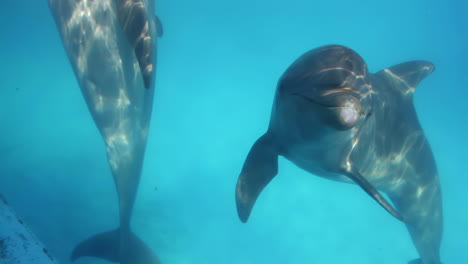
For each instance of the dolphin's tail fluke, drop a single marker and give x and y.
(109, 246)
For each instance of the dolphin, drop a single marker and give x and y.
(111, 45)
(334, 119)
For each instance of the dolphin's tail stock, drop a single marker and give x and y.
(110, 246)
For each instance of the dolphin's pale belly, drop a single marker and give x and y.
(386, 173)
(298, 139)
(305, 160)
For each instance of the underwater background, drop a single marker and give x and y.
(218, 64)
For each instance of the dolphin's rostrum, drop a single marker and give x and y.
(111, 45)
(334, 119)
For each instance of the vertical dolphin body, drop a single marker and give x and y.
(334, 119)
(111, 45)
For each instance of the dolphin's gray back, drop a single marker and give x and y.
(111, 45)
(112, 84)
(415, 188)
(393, 134)
(111, 72)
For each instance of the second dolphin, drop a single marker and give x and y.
(111, 45)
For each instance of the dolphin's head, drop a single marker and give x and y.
(329, 82)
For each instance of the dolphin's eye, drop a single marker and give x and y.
(348, 65)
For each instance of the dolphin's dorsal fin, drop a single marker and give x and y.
(408, 74)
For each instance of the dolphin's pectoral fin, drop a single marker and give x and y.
(135, 23)
(408, 74)
(259, 168)
(108, 246)
(356, 177)
(159, 27)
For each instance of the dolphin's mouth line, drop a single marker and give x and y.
(310, 100)
(347, 90)
(330, 93)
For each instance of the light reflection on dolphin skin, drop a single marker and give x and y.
(333, 119)
(111, 45)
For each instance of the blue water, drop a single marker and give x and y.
(219, 62)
